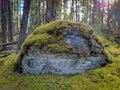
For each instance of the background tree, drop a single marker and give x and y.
(4, 21)
(51, 10)
(24, 22)
(10, 21)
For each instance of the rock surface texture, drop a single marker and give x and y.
(62, 47)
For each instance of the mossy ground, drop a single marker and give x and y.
(105, 78)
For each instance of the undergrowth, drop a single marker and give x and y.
(105, 78)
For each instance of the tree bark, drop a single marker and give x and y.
(34, 15)
(65, 5)
(17, 16)
(50, 11)
(94, 11)
(4, 21)
(72, 11)
(76, 4)
(102, 15)
(108, 14)
(23, 27)
(10, 21)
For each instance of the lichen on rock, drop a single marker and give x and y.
(62, 47)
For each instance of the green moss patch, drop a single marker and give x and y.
(62, 47)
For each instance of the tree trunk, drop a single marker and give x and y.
(34, 15)
(102, 15)
(65, 5)
(50, 11)
(76, 4)
(72, 11)
(24, 21)
(39, 15)
(108, 18)
(17, 16)
(10, 22)
(4, 21)
(94, 11)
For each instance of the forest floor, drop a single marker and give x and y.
(104, 78)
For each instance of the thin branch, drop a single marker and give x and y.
(9, 43)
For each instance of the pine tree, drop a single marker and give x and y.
(23, 27)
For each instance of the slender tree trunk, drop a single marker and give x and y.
(65, 5)
(72, 11)
(94, 11)
(59, 9)
(99, 10)
(50, 11)
(39, 13)
(4, 21)
(24, 22)
(76, 4)
(10, 21)
(34, 17)
(102, 16)
(44, 12)
(90, 12)
(17, 15)
(108, 18)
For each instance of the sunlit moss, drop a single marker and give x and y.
(61, 47)
(37, 41)
(53, 33)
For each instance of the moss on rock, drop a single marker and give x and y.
(61, 47)
(52, 35)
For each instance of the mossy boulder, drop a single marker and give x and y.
(62, 47)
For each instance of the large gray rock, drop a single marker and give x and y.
(39, 63)
(84, 52)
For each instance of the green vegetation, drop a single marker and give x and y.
(51, 36)
(105, 78)
(61, 48)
